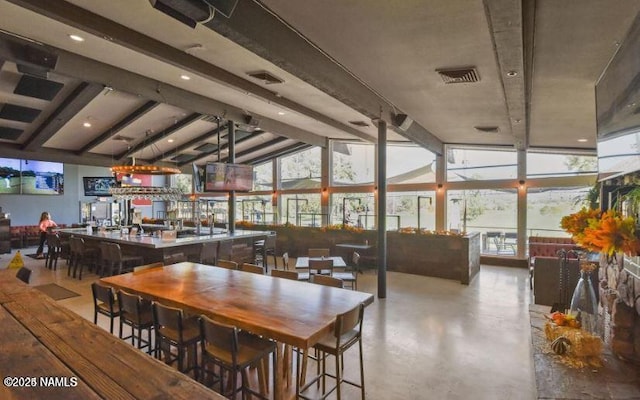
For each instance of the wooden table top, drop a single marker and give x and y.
(303, 262)
(291, 312)
(41, 338)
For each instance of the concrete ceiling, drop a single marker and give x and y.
(340, 62)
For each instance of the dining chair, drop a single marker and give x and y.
(318, 252)
(302, 276)
(280, 273)
(24, 274)
(254, 269)
(173, 329)
(136, 313)
(227, 264)
(233, 351)
(105, 303)
(326, 280)
(322, 267)
(347, 332)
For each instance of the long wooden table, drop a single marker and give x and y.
(290, 312)
(49, 352)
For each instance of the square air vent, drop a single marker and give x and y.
(266, 77)
(459, 75)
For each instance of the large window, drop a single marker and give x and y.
(301, 209)
(493, 213)
(263, 176)
(408, 163)
(473, 164)
(353, 164)
(301, 170)
(402, 208)
(353, 209)
(256, 209)
(547, 206)
(542, 165)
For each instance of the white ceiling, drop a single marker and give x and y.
(360, 60)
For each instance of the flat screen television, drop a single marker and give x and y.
(9, 176)
(98, 185)
(42, 177)
(223, 177)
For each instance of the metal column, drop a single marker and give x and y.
(382, 209)
(230, 160)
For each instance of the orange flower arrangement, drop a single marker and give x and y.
(607, 233)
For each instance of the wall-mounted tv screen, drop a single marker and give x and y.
(42, 177)
(9, 176)
(98, 185)
(222, 177)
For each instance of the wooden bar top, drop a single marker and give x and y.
(159, 243)
(292, 312)
(41, 339)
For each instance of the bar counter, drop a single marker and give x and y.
(155, 249)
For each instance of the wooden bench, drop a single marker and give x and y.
(43, 339)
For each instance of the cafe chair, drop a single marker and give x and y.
(302, 276)
(326, 280)
(173, 329)
(322, 267)
(208, 253)
(79, 255)
(318, 252)
(227, 264)
(24, 274)
(233, 351)
(136, 313)
(279, 273)
(105, 303)
(254, 269)
(347, 332)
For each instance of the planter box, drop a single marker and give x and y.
(440, 256)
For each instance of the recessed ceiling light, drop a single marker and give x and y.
(185, 77)
(583, 140)
(76, 38)
(281, 113)
(170, 140)
(87, 124)
(512, 73)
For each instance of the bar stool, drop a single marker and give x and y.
(105, 303)
(346, 333)
(174, 329)
(209, 253)
(136, 313)
(265, 248)
(233, 351)
(114, 262)
(54, 249)
(80, 255)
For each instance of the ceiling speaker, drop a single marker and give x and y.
(402, 121)
(251, 120)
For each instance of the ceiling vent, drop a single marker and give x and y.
(266, 77)
(487, 129)
(359, 123)
(459, 75)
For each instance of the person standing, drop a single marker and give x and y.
(45, 223)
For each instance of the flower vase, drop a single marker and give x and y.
(584, 304)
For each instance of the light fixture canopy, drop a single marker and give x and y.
(144, 170)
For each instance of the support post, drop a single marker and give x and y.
(382, 209)
(231, 137)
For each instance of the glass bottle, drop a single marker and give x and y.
(584, 304)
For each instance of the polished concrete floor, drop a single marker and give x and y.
(428, 339)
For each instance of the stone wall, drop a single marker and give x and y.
(620, 296)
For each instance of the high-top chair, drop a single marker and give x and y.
(105, 303)
(24, 274)
(254, 269)
(233, 351)
(136, 313)
(114, 262)
(347, 332)
(173, 329)
(54, 250)
(326, 280)
(265, 248)
(280, 273)
(209, 253)
(79, 255)
(227, 264)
